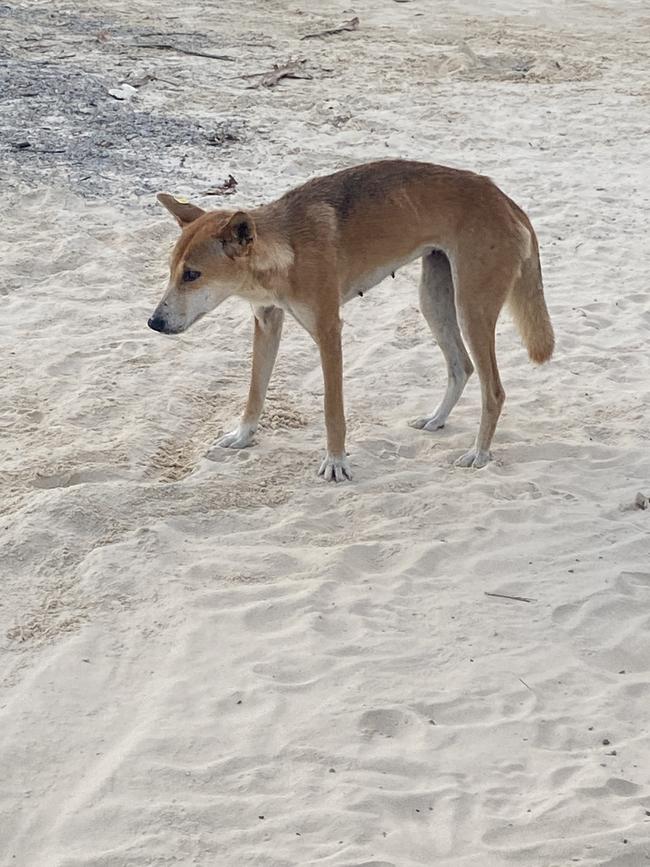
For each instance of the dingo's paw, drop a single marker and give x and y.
(473, 458)
(240, 438)
(335, 469)
(429, 422)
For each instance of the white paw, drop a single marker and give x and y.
(240, 438)
(473, 458)
(429, 422)
(335, 469)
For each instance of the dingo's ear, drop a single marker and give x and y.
(238, 234)
(184, 212)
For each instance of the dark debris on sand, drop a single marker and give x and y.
(59, 120)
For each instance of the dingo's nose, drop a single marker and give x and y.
(157, 323)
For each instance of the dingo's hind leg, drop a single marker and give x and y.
(479, 301)
(439, 309)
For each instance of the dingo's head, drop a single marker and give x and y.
(208, 264)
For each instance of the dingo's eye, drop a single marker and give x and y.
(189, 276)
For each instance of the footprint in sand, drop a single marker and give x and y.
(385, 722)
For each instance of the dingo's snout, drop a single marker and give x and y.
(159, 320)
(157, 323)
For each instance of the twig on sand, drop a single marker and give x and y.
(506, 596)
(149, 34)
(352, 24)
(291, 69)
(227, 188)
(140, 81)
(521, 680)
(167, 46)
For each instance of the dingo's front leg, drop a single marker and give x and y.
(266, 339)
(335, 466)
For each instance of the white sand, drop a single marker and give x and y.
(227, 661)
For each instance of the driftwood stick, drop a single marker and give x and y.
(169, 47)
(352, 24)
(291, 69)
(506, 596)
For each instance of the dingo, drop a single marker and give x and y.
(333, 238)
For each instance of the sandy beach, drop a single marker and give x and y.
(215, 658)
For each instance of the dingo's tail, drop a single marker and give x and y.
(528, 308)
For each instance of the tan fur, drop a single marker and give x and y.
(335, 237)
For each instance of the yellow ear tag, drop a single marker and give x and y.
(182, 200)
